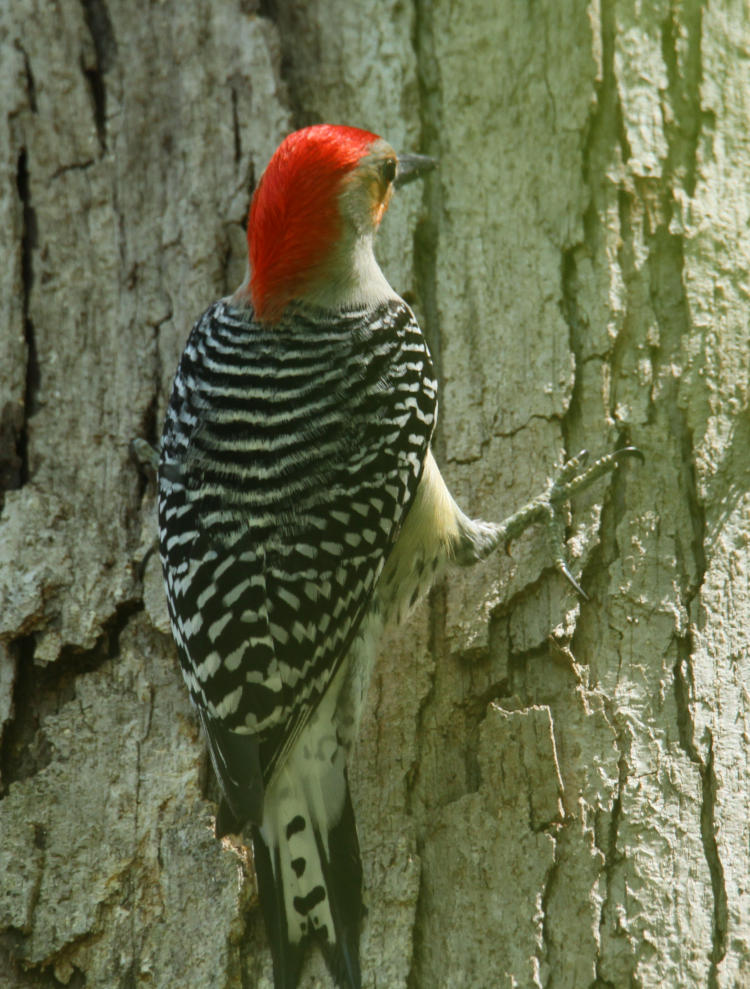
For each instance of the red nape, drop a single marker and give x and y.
(294, 216)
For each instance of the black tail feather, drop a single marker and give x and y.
(342, 873)
(287, 957)
(226, 821)
(236, 762)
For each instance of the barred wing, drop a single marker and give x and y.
(290, 458)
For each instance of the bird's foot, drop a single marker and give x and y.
(145, 455)
(576, 475)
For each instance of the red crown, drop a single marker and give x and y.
(294, 216)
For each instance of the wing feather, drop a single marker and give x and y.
(290, 459)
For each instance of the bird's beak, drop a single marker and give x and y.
(412, 167)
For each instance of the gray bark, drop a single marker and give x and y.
(550, 791)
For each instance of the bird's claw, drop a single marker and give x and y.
(565, 571)
(145, 455)
(575, 476)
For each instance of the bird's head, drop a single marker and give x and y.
(314, 215)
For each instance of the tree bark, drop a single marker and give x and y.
(550, 791)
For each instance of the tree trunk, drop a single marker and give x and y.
(550, 791)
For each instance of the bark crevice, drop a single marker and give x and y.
(683, 692)
(683, 126)
(102, 34)
(607, 844)
(29, 240)
(42, 690)
(427, 232)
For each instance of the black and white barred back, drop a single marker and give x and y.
(290, 457)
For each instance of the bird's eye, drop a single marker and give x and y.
(389, 170)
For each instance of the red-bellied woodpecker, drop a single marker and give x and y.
(300, 508)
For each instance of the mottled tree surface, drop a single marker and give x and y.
(550, 791)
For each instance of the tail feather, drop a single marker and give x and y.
(236, 761)
(308, 867)
(287, 956)
(343, 875)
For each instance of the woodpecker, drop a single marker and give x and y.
(300, 509)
